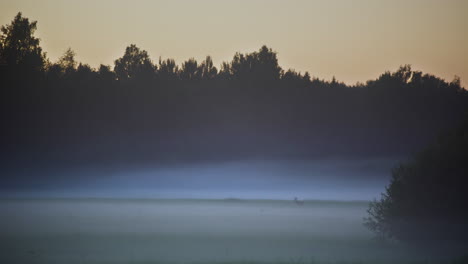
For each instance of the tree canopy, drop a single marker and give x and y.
(426, 198)
(255, 67)
(135, 63)
(19, 47)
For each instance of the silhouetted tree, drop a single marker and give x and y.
(190, 70)
(306, 77)
(426, 198)
(19, 47)
(135, 63)
(63, 69)
(85, 75)
(225, 71)
(168, 70)
(106, 75)
(67, 62)
(258, 66)
(207, 70)
(295, 78)
(268, 63)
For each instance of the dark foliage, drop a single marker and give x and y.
(66, 114)
(426, 198)
(135, 64)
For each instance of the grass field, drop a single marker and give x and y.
(194, 231)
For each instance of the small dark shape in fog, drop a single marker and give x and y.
(298, 202)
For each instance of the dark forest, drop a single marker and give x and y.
(66, 113)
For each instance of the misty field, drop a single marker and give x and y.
(194, 231)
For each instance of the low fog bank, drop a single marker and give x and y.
(327, 179)
(196, 231)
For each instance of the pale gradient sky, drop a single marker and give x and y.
(354, 40)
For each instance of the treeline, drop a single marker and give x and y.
(67, 113)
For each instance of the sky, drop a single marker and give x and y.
(352, 40)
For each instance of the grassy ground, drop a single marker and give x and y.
(93, 231)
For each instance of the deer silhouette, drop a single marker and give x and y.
(298, 202)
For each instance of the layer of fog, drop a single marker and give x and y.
(326, 179)
(150, 231)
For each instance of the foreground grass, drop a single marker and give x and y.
(461, 260)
